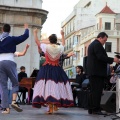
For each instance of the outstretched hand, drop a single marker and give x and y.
(26, 26)
(71, 54)
(62, 32)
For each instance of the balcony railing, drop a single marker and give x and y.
(111, 33)
(76, 62)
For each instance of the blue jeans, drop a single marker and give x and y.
(8, 70)
(10, 96)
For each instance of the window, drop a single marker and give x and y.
(82, 53)
(69, 61)
(108, 47)
(97, 26)
(70, 45)
(70, 26)
(78, 38)
(70, 73)
(67, 45)
(65, 31)
(75, 40)
(77, 55)
(107, 26)
(66, 62)
(68, 29)
(73, 24)
(85, 50)
(117, 26)
(88, 4)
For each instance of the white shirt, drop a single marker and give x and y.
(8, 56)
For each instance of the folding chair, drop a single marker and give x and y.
(19, 97)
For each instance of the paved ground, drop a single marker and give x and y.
(30, 113)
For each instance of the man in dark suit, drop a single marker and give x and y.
(97, 71)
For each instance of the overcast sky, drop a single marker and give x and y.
(58, 11)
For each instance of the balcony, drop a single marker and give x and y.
(87, 37)
(76, 62)
(68, 66)
(93, 34)
(111, 33)
(69, 34)
(76, 47)
(68, 50)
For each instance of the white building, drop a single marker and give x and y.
(16, 13)
(85, 23)
(106, 21)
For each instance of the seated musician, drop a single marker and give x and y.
(22, 75)
(79, 79)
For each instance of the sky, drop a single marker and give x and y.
(58, 10)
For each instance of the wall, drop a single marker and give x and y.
(22, 3)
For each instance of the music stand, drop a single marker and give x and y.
(34, 73)
(117, 113)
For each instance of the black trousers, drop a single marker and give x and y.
(96, 89)
(23, 90)
(74, 94)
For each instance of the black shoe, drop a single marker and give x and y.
(98, 113)
(23, 103)
(90, 111)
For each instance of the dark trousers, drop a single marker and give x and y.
(83, 98)
(96, 89)
(74, 94)
(23, 90)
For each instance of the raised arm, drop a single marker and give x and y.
(36, 37)
(24, 51)
(39, 50)
(63, 39)
(19, 39)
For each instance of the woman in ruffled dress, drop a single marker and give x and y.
(52, 86)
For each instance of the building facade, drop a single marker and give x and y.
(87, 24)
(16, 13)
(107, 21)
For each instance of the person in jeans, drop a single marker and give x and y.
(8, 66)
(16, 54)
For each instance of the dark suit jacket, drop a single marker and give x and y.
(21, 75)
(97, 60)
(79, 79)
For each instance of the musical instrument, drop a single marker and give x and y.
(29, 82)
(72, 80)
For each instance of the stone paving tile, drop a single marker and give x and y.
(30, 113)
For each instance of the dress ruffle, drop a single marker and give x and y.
(52, 86)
